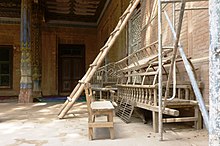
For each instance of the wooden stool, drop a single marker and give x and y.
(96, 108)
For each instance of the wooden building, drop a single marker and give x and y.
(66, 37)
(46, 46)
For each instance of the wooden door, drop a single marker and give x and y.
(71, 67)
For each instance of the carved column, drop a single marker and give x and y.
(214, 73)
(36, 48)
(25, 95)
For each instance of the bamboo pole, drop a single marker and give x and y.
(103, 52)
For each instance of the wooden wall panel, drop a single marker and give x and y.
(52, 36)
(49, 64)
(10, 35)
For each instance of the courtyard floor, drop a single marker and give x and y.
(37, 125)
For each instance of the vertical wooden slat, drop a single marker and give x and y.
(187, 94)
(179, 93)
(150, 96)
(143, 96)
(155, 114)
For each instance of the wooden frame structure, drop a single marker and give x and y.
(140, 74)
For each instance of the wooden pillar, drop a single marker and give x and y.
(25, 95)
(36, 19)
(214, 73)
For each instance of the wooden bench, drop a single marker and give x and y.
(97, 108)
(146, 97)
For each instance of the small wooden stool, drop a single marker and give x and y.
(96, 108)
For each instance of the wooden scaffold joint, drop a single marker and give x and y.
(124, 15)
(69, 99)
(103, 48)
(81, 82)
(116, 30)
(92, 65)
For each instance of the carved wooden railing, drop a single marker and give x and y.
(105, 75)
(146, 97)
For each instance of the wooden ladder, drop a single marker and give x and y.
(98, 60)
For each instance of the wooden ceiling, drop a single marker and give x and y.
(86, 11)
(10, 8)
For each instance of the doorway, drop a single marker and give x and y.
(71, 66)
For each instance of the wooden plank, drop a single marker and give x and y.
(142, 74)
(101, 105)
(101, 124)
(167, 111)
(137, 86)
(185, 119)
(174, 1)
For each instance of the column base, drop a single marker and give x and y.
(25, 96)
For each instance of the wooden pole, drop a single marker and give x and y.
(214, 73)
(99, 59)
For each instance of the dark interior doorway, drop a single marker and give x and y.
(71, 66)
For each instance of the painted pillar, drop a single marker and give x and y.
(214, 73)
(25, 95)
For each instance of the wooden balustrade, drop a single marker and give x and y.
(145, 96)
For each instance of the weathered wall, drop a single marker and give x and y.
(106, 26)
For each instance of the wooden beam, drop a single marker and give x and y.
(101, 124)
(179, 1)
(185, 119)
(137, 86)
(167, 111)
